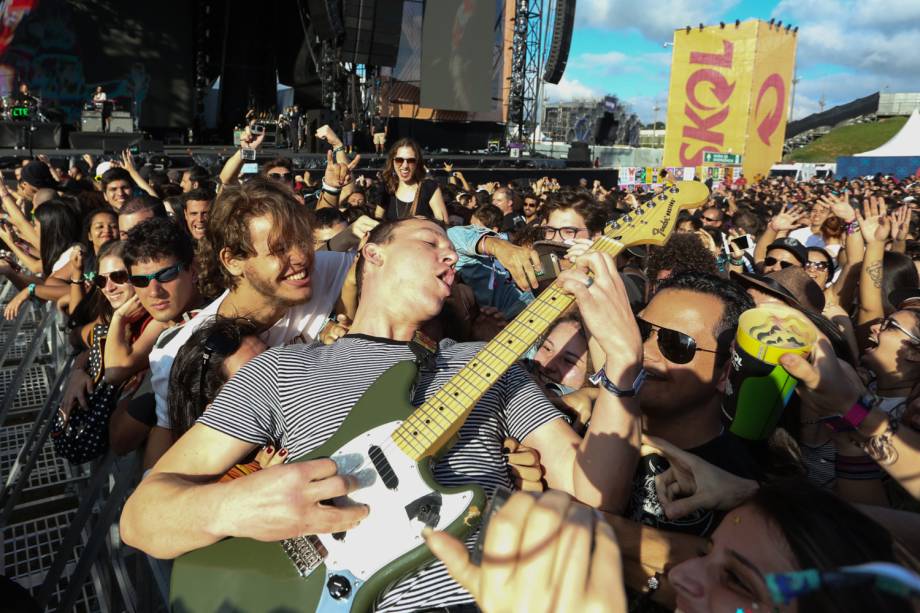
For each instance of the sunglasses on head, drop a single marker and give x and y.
(222, 342)
(401, 161)
(674, 346)
(771, 261)
(164, 275)
(118, 277)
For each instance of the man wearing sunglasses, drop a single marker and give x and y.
(784, 253)
(687, 330)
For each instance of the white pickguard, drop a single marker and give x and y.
(386, 533)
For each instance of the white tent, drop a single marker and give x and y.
(906, 143)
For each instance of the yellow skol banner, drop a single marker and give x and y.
(729, 93)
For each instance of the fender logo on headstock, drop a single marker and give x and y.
(665, 220)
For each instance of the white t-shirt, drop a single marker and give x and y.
(807, 238)
(300, 324)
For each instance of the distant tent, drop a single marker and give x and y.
(905, 143)
(899, 157)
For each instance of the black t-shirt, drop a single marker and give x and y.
(400, 209)
(379, 124)
(726, 451)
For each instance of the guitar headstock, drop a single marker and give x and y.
(652, 222)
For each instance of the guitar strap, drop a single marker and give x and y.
(425, 351)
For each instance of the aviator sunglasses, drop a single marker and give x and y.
(118, 277)
(164, 275)
(674, 346)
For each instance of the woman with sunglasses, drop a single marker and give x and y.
(409, 193)
(118, 342)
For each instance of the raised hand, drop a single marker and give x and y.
(840, 206)
(326, 133)
(448, 168)
(692, 483)
(900, 223)
(248, 140)
(788, 219)
(338, 175)
(873, 220)
(541, 554)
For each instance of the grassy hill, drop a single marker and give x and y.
(847, 140)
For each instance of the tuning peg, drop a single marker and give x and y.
(626, 219)
(662, 196)
(674, 190)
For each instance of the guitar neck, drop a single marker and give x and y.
(432, 425)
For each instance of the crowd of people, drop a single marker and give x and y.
(225, 325)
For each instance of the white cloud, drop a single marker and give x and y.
(655, 19)
(570, 89)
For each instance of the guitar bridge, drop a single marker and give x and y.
(305, 552)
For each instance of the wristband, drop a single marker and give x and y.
(329, 189)
(853, 227)
(76, 282)
(337, 149)
(857, 414)
(734, 262)
(600, 378)
(31, 289)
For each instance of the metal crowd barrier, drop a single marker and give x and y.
(59, 522)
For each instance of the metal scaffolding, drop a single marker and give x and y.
(527, 60)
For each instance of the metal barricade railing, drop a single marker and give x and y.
(90, 569)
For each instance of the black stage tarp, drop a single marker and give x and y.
(44, 135)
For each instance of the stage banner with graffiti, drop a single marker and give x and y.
(729, 93)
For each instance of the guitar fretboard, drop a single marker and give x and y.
(433, 424)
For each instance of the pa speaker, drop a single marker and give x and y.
(326, 18)
(578, 152)
(562, 40)
(372, 30)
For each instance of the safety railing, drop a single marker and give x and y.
(59, 522)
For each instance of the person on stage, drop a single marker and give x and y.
(101, 104)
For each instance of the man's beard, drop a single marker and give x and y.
(269, 290)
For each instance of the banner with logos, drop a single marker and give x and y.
(651, 175)
(729, 94)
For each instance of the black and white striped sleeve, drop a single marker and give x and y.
(247, 406)
(526, 407)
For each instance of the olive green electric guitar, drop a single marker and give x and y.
(388, 445)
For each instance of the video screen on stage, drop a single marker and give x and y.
(140, 53)
(456, 56)
(422, 67)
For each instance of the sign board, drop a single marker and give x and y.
(712, 157)
(730, 89)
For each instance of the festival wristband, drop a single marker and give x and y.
(329, 189)
(31, 289)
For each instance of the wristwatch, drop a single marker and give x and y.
(600, 378)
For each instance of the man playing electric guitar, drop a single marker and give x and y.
(298, 396)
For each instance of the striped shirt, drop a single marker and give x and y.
(298, 396)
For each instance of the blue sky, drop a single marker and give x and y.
(846, 49)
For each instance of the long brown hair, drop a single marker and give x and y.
(390, 178)
(228, 228)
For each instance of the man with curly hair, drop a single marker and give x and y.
(682, 253)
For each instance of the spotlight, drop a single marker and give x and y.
(701, 27)
(779, 24)
(788, 27)
(688, 29)
(737, 23)
(795, 30)
(721, 25)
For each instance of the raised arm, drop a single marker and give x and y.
(598, 469)
(128, 162)
(875, 227)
